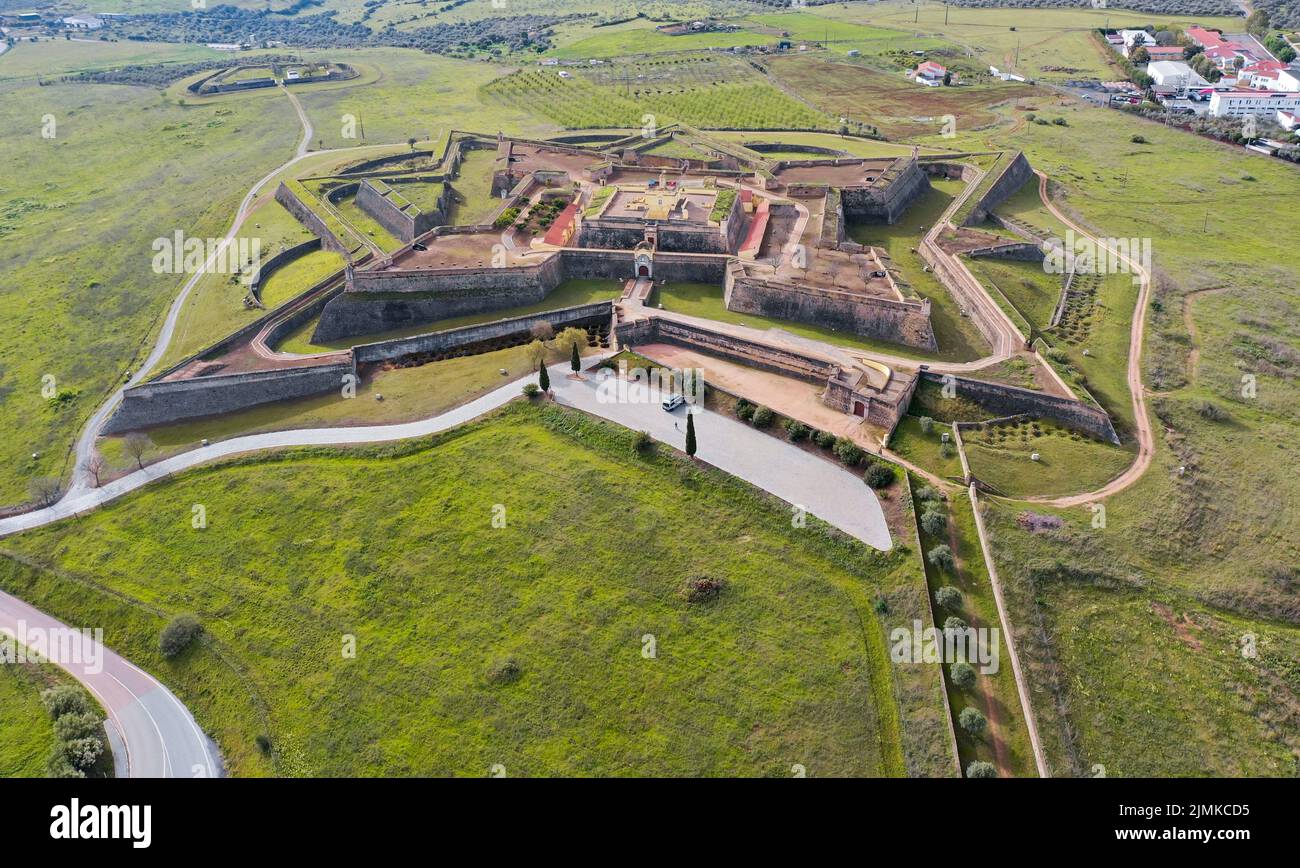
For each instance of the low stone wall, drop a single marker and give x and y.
(451, 339)
(902, 322)
(165, 402)
(752, 354)
(278, 261)
(1020, 251)
(1012, 400)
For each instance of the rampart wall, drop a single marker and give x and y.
(167, 401)
(1010, 400)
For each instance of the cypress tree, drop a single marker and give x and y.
(543, 378)
(690, 434)
(574, 361)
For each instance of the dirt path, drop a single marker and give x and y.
(1194, 355)
(1146, 440)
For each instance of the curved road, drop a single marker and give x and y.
(147, 723)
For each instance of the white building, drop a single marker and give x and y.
(1287, 120)
(1134, 38)
(1260, 103)
(1173, 77)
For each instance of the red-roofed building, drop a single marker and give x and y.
(562, 229)
(929, 73)
(1205, 38)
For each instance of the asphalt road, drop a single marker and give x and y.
(153, 727)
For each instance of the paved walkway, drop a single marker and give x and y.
(826, 490)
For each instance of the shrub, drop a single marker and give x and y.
(59, 766)
(1138, 140)
(848, 451)
(934, 522)
(929, 494)
(879, 475)
(506, 671)
(643, 442)
(1060, 122)
(963, 675)
(981, 769)
(263, 744)
(825, 439)
(64, 699)
(881, 606)
(744, 410)
(178, 635)
(83, 753)
(972, 721)
(1211, 411)
(927, 424)
(947, 450)
(941, 557)
(702, 589)
(71, 727)
(952, 622)
(796, 430)
(532, 390)
(762, 417)
(948, 597)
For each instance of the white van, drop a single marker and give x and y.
(672, 402)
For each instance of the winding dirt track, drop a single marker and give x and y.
(1146, 441)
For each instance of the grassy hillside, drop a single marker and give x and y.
(518, 645)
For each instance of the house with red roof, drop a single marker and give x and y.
(929, 73)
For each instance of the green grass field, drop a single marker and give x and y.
(1001, 455)
(28, 729)
(78, 217)
(457, 669)
(925, 450)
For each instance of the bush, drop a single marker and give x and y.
(825, 439)
(762, 417)
(848, 451)
(83, 753)
(744, 410)
(506, 671)
(927, 424)
(952, 622)
(532, 390)
(948, 597)
(963, 675)
(929, 494)
(981, 769)
(947, 450)
(796, 430)
(1138, 140)
(1060, 122)
(1211, 411)
(702, 589)
(59, 766)
(934, 522)
(65, 699)
(263, 744)
(972, 721)
(178, 635)
(941, 557)
(643, 442)
(879, 475)
(71, 727)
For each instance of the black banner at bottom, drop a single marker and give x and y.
(140, 818)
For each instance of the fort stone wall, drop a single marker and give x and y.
(167, 401)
